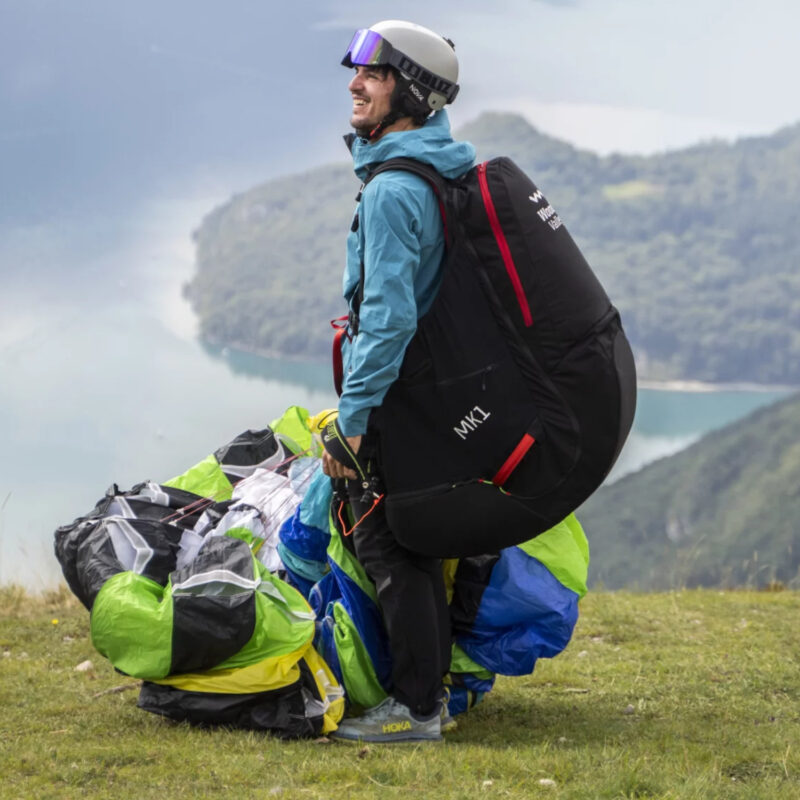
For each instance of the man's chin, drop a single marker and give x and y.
(361, 126)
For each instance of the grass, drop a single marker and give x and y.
(691, 694)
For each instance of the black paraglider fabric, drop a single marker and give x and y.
(137, 503)
(209, 627)
(89, 557)
(282, 711)
(68, 539)
(247, 450)
(471, 579)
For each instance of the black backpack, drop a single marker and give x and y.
(518, 389)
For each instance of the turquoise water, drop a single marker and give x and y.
(668, 421)
(675, 413)
(103, 381)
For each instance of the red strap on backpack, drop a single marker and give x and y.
(512, 462)
(502, 244)
(340, 325)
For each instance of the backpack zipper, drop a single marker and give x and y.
(505, 251)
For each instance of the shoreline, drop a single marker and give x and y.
(681, 385)
(224, 351)
(665, 385)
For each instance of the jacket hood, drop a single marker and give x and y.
(432, 144)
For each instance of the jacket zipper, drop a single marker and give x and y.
(505, 251)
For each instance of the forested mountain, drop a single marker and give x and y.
(699, 248)
(724, 512)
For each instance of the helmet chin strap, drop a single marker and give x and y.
(373, 133)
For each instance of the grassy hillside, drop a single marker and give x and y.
(699, 248)
(690, 695)
(726, 511)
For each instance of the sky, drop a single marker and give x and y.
(102, 104)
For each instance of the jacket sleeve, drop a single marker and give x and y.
(390, 214)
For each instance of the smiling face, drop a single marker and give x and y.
(371, 89)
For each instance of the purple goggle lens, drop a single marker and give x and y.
(367, 49)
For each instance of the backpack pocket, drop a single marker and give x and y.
(454, 429)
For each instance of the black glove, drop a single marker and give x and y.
(337, 447)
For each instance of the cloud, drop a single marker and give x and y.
(339, 24)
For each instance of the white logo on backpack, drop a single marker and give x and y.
(471, 421)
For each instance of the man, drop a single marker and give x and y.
(404, 74)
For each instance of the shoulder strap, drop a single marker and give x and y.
(436, 181)
(427, 173)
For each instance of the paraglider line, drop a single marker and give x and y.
(206, 502)
(345, 532)
(187, 511)
(290, 459)
(196, 505)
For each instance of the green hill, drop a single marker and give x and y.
(699, 249)
(724, 512)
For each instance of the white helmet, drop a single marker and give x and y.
(426, 63)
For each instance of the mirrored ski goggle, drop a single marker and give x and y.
(367, 49)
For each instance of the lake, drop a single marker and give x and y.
(104, 381)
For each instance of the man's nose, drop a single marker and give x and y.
(356, 83)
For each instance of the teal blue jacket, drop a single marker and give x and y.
(400, 239)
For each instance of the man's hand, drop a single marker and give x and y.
(334, 468)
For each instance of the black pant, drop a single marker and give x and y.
(412, 597)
